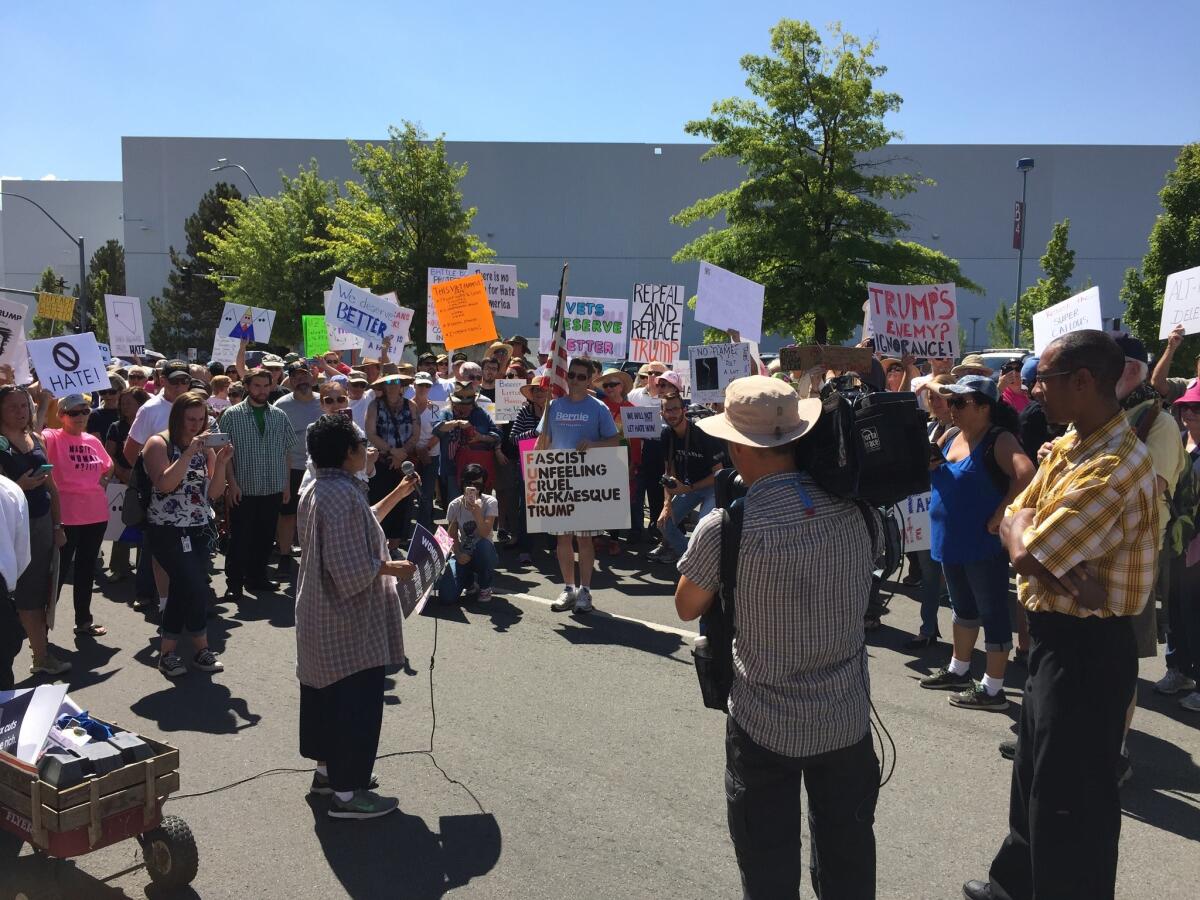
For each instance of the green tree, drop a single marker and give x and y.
(266, 255)
(806, 220)
(1000, 328)
(1058, 264)
(405, 216)
(188, 312)
(106, 275)
(1174, 246)
(52, 283)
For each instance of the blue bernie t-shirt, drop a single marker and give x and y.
(572, 421)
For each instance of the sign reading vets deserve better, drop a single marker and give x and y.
(69, 364)
(656, 323)
(463, 311)
(569, 490)
(1073, 314)
(1181, 302)
(730, 302)
(916, 319)
(126, 336)
(713, 366)
(596, 327)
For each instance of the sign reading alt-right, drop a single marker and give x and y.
(1181, 302)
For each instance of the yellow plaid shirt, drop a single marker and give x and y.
(1094, 501)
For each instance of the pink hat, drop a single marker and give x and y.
(672, 378)
(1191, 395)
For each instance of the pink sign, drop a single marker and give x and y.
(524, 447)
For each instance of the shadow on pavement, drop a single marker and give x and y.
(40, 877)
(196, 702)
(598, 628)
(1164, 776)
(398, 855)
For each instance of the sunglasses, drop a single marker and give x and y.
(578, 376)
(959, 402)
(137, 377)
(179, 379)
(895, 370)
(108, 393)
(610, 384)
(74, 413)
(474, 378)
(330, 401)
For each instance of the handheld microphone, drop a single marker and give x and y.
(407, 468)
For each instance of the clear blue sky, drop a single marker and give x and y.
(79, 75)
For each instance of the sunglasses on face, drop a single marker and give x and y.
(578, 376)
(108, 393)
(1192, 408)
(959, 402)
(74, 413)
(330, 401)
(895, 370)
(137, 377)
(181, 379)
(608, 385)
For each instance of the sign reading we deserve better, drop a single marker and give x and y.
(361, 313)
(126, 336)
(596, 327)
(1181, 302)
(917, 319)
(730, 302)
(1073, 314)
(656, 323)
(569, 490)
(70, 364)
(713, 366)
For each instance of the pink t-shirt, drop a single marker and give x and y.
(78, 464)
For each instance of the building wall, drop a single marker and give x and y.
(605, 208)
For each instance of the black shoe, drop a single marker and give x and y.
(921, 642)
(977, 697)
(233, 595)
(265, 585)
(1008, 749)
(977, 890)
(912, 579)
(944, 680)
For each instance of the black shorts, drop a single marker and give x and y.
(289, 508)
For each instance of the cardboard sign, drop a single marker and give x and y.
(566, 490)
(641, 422)
(508, 399)
(425, 552)
(246, 323)
(398, 327)
(1181, 302)
(917, 319)
(362, 313)
(433, 328)
(596, 327)
(729, 302)
(524, 447)
(225, 349)
(339, 339)
(843, 359)
(316, 335)
(1073, 314)
(106, 353)
(12, 331)
(713, 366)
(656, 323)
(683, 368)
(69, 364)
(126, 336)
(25, 719)
(501, 284)
(55, 306)
(914, 519)
(191, 351)
(463, 311)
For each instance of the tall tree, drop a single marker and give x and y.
(1000, 328)
(188, 312)
(404, 217)
(1174, 246)
(267, 254)
(52, 283)
(1058, 264)
(106, 275)
(806, 220)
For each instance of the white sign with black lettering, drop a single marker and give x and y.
(12, 331)
(69, 364)
(641, 422)
(126, 335)
(508, 399)
(1181, 302)
(914, 518)
(713, 366)
(569, 490)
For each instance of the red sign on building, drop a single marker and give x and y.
(1019, 226)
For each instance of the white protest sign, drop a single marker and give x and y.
(916, 319)
(656, 323)
(1181, 302)
(106, 353)
(433, 330)
(501, 285)
(116, 501)
(339, 338)
(914, 518)
(713, 366)
(69, 364)
(12, 331)
(683, 368)
(398, 325)
(126, 335)
(362, 313)
(596, 327)
(569, 490)
(508, 399)
(248, 323)
(641, 422)
(1073, 314)
(729, 302)
(225, 349)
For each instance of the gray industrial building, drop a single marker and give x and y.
(606, 208)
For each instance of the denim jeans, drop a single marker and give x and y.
(457, 577)
(979, 593)
(931, 592)
(681, 505)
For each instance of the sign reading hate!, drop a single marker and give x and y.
(69, 364)
(572, 490)
(914, 319)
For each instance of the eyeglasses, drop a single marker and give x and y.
(83, 411)
(895, 370)
(578, 376)
(959, 402)
(1040, 378)
(610, 384)
(330, 401)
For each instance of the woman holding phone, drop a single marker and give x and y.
(186, 472)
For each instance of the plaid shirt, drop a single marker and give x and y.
(804, 576)
(347, 615)
(1094, 501)
(260, 461)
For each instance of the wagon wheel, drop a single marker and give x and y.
(170, 853)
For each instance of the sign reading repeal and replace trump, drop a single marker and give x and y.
(595, 326)
(1073, 314)
(656, 323)
(570, 490)
(916, 319)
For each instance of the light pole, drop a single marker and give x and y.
(78, 242)
(223, 163)
(974, 322)
(1024, 164)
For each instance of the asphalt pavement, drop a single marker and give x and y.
(572, 758)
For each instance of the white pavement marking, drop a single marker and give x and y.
(656, 626)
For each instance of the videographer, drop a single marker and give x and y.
(799, 703)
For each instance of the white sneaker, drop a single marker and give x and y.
(485, 595)
(1191, 702)
(583, 600)
(1174, 682)
(565, 601)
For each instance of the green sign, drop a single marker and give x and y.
(316, 336)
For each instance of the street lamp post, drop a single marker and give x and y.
(78, 242)
(223, 163)
(1024, 164)
(974, 322)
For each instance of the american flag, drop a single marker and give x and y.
(556, 365)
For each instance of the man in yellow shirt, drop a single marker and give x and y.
(1083, 539)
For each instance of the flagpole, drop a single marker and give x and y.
(555, 324)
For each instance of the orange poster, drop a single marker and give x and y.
(463, 311)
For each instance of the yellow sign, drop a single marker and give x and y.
(464, 312)
(55, 306)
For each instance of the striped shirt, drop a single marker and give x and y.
(804, 576)
(260, 461)
(1095, 502)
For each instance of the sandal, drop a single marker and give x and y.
(92, 630)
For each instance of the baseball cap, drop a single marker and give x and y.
(422, 378)
(978, 384)
(426, 358)
(460, 356)
(1132, 347)
(357, 378)
(762, 412)
(271, 361)
(1029, 371)
(73, 401)
(175, 367)
(296, 366)
(291, 357)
